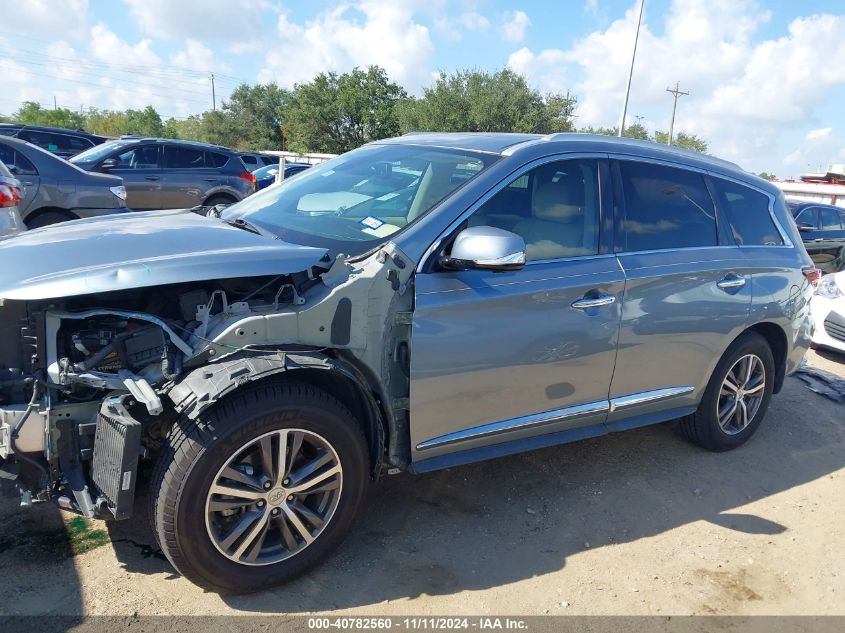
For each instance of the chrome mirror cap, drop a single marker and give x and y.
(486, 248)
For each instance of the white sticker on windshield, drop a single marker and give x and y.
(372, 222)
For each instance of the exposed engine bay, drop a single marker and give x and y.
(93, 383)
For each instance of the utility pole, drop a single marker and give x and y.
(55, 107)
(631, 70)
(675, 94)
(213, 96)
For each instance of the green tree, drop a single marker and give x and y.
(682, 139)
(767, 176)
(637, 130)
(336, 113)
(33, 114)
(477, 101)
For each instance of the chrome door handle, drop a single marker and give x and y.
(150, 177)
(597, 302)
(819, 239)
(731, 281)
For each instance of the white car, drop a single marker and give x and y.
(828, 310)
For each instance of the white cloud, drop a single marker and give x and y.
(46, 17)
(745, 94)
(513, 26)
(338, 40)
(818, 148)
(453, 27)
(210, 20)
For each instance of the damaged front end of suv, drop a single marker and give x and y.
(100, 359)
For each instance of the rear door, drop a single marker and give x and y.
(687, 293)
(140, 168)
(22, 169)
(187, 177)
(511, 356)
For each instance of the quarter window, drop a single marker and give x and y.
(11, 158)
(665, 208)
(829, 219)
(554, 207)
(748, 214)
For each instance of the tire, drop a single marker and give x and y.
(219, 199)
(703, 427)
(49, 217)
(189, 530)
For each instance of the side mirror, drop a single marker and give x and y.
(486, 248)
(806, 228)
(109, 163)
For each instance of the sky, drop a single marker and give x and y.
(766, 78)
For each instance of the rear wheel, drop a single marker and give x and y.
(737, 397)
(262, 489)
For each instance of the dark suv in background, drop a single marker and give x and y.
(822, 228)
(59, 140)
(169, 174)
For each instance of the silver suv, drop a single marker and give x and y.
(416, 304)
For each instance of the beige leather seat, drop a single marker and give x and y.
(559, 226)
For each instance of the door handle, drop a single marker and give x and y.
(819, 239)
(210, 179)
(731, 281)
(150, 177)
(596, 302)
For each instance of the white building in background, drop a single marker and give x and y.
(824, 188)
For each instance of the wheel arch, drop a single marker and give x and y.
(776, 338)
(35, 213)
(199, 389)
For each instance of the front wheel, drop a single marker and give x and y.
(262, 489)
(736, 397)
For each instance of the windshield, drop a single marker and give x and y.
(353, 202)
(97, 152)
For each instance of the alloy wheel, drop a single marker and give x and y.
(741, 394)
(273, 497)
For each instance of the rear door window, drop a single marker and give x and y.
(213, 159)
(14, 159)
(249, 160)
(176, 157)
(748, 214)
(808, 216)
(829, 219)
(665, 207)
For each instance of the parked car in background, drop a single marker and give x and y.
(266, 176)
(822, 228)
(54, 190)
(10, 197)
(58, 140)
(828, 310)
(255, 161)
(170, 174)
(270, 362)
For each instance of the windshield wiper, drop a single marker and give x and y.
(246, 225)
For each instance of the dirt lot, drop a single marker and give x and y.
(634, 523)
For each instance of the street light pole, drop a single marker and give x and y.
(631, 70)
(675, 93)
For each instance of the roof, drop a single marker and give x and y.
(178, 141)
(495, 142)
(48, 128)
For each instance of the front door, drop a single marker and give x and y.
(140, 168)
(506, 357)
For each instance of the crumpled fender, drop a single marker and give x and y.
(196, 390)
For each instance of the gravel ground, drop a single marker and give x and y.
(633, 523)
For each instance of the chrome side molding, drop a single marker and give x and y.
(505, 426)
(648, 396)
(555, 415)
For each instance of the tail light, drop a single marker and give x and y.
(247, 176)
(9, 196)
(813, 275)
